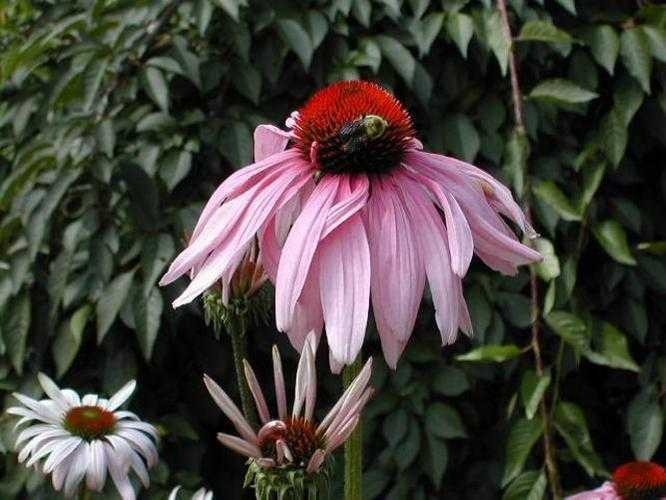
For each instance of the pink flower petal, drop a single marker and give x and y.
(299, 250)
(398, 276)
(269, 140)
(432, 237)
(344, 284)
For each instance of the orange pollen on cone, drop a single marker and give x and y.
(89, 422)
(353, 126)
(300, 436)
(640, 481)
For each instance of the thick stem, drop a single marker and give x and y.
(237, 328)
(354, 445)
(517, 98)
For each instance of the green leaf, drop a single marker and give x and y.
(569, 5)
(443, 421)
(110, 302)
(614, 136)
(203, 13)
(549, 268)
(362, 9)
(571, 424)
(460, 136)
(175, 167)
(628, 97)
(611, 349)
(532, 389)
(530, 485)
(297, 39)
(491, 353)
(68, 340)
(543, 31)
(522, 437)
(497, 40)
(516, 153)
(374, 480)
(645, 424)
(426, 30)
(395, 426)
(656, 38)
(236, 144)
(156, 253)
(613, 238)
(558, 90)
(635, 52)
(593, 174)
(570, 327)
(156, 87)
(106, 137)
(247, 82)
(408, 449)
(231, 7)
(147, 311)
(143, 196)
(317, 26)
(438, 458)
(460, 28)
(550, 193)
(92, 80)
(15, 327)
(400, 58)
(450, 381)
(604, 45)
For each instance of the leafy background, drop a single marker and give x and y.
(119, 117)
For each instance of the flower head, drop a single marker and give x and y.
(77, 438)
(631, 481)
(349, 210)
(292, 442)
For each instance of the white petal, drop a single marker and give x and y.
(121, 396)
(78, 469)
(118, 471)
(60, 452)
(97, 469)
(52, 391)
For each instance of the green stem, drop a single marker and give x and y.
(354, 445)
(237, 328)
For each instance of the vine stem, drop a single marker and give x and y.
(517, 98)
(237, 329)
(353, 445)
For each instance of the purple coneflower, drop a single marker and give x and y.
(81, 439)
(348, 209)
(631, 481)
(293, 441)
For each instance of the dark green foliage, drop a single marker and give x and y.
(118, 118)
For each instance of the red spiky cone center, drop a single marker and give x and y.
(300, 436)
(89, 422)
(640, 481)
(353, 126)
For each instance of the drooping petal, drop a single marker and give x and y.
(344, 284)
(77, 469)
(299, 250)
(605, 492)
(239, 181)
(433, 241)
(96, 474)
(353, 196)
(311, 387)
(269, 140)
(308, 314)
(239, 234)
(398, 277)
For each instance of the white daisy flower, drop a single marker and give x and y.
(200, 494)
(75, 438)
